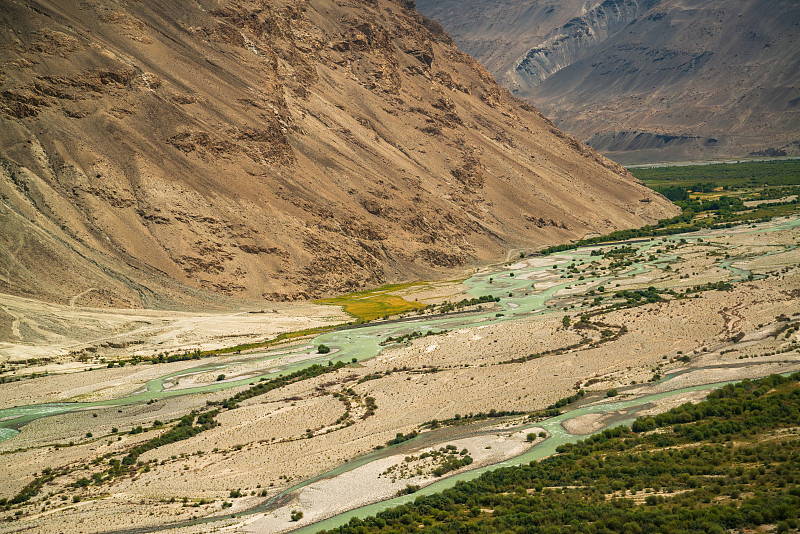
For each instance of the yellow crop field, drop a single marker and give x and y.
(375, 303)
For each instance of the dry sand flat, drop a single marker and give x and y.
(42, 330)
(433, 293)
(34, 445)
(89, 385)
(479, 345)
(673, 401)
(263, 443)
(246, 369)
(587, 424)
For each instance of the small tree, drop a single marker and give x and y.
(323, 349)
(296, 515)
(565, 321)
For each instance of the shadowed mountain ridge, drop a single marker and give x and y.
(652, 80)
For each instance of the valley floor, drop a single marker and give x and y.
(644, 319)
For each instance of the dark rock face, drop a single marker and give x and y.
(693, 71)
(577, 38)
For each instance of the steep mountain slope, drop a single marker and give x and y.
(162, 153)
(644, 80)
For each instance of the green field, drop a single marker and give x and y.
(733, 175)
(755, 180)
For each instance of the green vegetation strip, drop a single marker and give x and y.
(751, 174)
(265, 386)
(735, 183)
(730, 462)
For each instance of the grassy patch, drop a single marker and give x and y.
(375, 303)
(779, 210)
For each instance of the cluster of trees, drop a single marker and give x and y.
(374, 376)
(741, 409)
(400, 437)
(169, 358)
(675, 192)
(560, 403)
(722, 204)
(639, 296)
(440, 462)
(726, 175)
(710, 286)
(617, 252)
(664, 227)
(31, 489)
(452, 306)
(409, 337)
(451, 464)
(708, 469)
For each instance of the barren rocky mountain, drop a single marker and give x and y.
(175, 153)
(646, 80)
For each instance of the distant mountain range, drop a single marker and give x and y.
(649, 80)
(172, 154)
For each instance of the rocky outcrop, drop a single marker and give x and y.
(572, 41)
